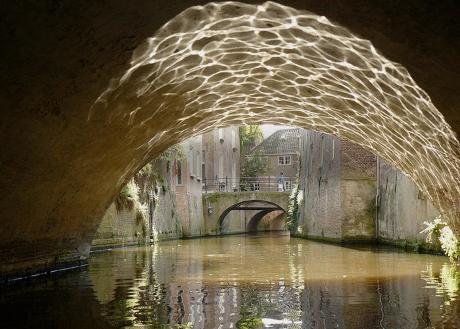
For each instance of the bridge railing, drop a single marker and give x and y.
(255, 184)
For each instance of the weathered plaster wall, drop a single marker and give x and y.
(125, 225)
(120, 228)
(320, 183)
(340, 190)
(402, 209)
(338, 195)
(221, 158)
(188, 192)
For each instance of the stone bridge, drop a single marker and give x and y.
(239, 212)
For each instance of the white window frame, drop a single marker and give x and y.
(284, 160)
(255, 186)
(287, 185)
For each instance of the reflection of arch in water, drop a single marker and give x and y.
(249, 205)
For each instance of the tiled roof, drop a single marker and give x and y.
(284, 141)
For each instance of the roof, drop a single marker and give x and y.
(283, 141)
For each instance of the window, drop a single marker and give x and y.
(179, 172)
(255, 186)
(287, 185)
(284, 160)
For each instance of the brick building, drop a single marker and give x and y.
(282, 151)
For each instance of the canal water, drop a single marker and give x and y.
(261, 281)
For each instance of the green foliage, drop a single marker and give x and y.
(177, 326)
(439, 233)
(256, 163)
(174, 151)
(251, 322)
(128, 196)
(293, 212)
(213, 197)
(250, 136)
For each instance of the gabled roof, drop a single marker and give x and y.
(284, 141)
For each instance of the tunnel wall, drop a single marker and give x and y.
(338, 190)
(122, 227)
(119, 228)
(402, 209)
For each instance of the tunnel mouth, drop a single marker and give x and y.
(271, 63)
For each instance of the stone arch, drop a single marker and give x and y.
(249, 203)
(66, 155)
(233, 63)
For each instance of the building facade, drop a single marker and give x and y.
(221, 160)
(164, 200)
(281, 151)
(337, 189)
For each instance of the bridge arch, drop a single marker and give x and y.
(226, 63)
(263, 206)
(253, 223)
(211, 66)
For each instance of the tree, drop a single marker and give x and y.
(250, 136)
(252, 163)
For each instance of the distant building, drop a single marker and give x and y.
(187, 183)
(282, 151)
(337, 189)
(221, 159)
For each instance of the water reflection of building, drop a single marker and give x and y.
(180, 283)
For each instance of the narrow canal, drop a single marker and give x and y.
(268, 280)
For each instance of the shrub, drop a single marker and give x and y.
(438, 232)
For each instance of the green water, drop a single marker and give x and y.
(270, 281)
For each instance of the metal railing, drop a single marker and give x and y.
(240, 184)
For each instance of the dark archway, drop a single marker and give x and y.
(253, 224)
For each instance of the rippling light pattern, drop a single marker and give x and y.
(232, 63)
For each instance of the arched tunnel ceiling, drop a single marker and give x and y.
(59, 171)
(234, 63)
